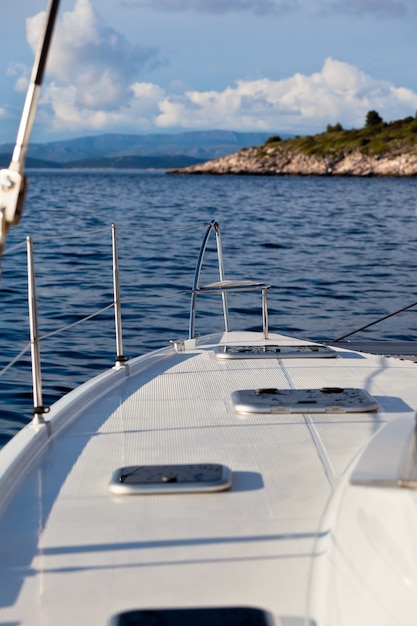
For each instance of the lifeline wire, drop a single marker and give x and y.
(381, 319)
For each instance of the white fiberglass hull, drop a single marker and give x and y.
(313, 530)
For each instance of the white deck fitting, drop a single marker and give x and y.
(73, 553)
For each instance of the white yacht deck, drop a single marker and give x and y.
(74, 553)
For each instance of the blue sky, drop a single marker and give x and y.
(141, 66)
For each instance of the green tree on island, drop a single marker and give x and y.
(373, 118)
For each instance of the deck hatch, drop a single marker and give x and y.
(195, 477)
(274, 352)
(324, 400)
(224, 616)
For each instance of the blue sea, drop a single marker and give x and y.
(338, 253)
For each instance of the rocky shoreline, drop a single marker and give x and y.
(279, 162)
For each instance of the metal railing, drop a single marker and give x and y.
(223, 286)
(39, 410)
(213, 225)
(37, 338)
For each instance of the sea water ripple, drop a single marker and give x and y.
(338, 252)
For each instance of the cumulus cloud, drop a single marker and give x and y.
(97, 61)
(20, 72)
(93, 84)
(339, 92)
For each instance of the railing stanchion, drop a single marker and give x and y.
(120, 357)
(222, 277)
(38, 408)
(196, 282)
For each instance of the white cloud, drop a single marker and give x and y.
(20, 71)
(339, 92)
(98, 63)
(133, 115)
(96, 86)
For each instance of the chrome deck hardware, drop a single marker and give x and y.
(223, 286)
(274, 351)
(324, 400)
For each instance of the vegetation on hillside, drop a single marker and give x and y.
(376, 138)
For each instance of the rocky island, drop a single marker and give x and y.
(378, 149)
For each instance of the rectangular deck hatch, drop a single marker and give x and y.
(324, 400)
(222, 616)
(274, 352)
(146, 479)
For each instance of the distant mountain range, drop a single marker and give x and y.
(136, 151)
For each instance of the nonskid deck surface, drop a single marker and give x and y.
(87, 554)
